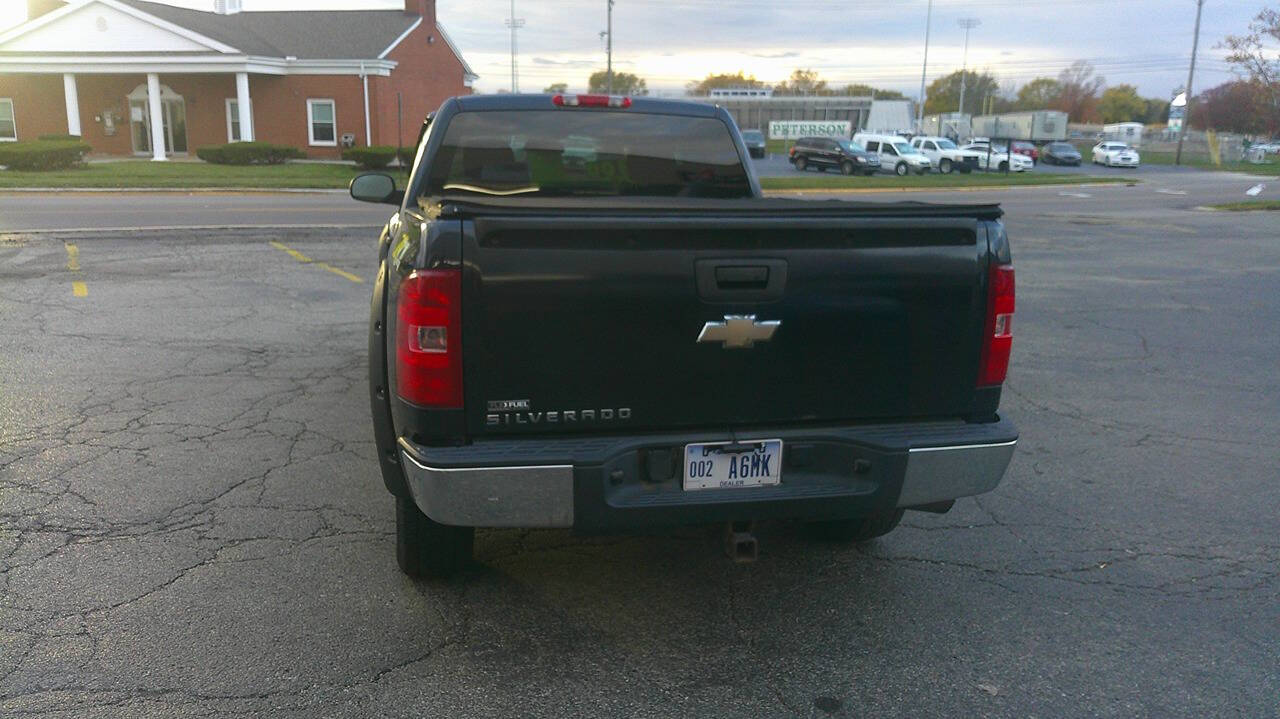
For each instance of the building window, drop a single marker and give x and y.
(233, 119)
(322, 123)
(8, 128)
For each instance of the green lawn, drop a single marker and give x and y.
(1248, 205)
(880, 182)
(194, 175)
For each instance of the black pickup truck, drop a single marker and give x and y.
(587, 316)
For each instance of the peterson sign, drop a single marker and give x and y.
(791, 129)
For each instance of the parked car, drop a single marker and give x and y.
(631, 343)
(997, 159)
(1061, 153)
(1115, 154)
(1022, 147)
(945, 155)
(896, 153)
(755, 142)
(827, 152)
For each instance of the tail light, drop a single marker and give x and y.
(792, 152)
(997, 338)
(429, 339)
(591, 101)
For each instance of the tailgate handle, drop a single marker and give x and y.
(736, 280)
(748, 277)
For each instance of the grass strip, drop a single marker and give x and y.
(1248, 206)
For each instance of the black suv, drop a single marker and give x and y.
(824, 152)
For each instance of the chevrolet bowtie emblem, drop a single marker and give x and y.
(738, 331)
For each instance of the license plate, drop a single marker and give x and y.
(727, 465)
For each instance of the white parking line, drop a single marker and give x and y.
(1171, 192)
(1081, 195)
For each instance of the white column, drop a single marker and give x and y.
(73, 104)
(245, 106)
(368, 134)
(157, 118)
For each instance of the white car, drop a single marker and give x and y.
(1115, 154)
(945, 155)
(896, 153)
(989, 159)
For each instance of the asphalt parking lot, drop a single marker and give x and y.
(192, 521)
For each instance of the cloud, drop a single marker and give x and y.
(772, 55)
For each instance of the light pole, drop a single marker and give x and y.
(924, 69)
(1186, 109)
(968, 23)
(515, 24)
(608, 48)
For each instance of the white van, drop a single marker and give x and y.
(896, 153)
(945, 155)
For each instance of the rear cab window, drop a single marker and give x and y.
(568, 153)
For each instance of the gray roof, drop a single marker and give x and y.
(305, 34)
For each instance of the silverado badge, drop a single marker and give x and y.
(739, 331)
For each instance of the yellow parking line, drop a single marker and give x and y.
(73, 257)
(322, 265)
(340, 273)
(79, 289)
(292, 252)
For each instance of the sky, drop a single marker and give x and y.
(1146, 43)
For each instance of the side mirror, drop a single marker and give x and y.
(376, 187)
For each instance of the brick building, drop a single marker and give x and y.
(153, 80)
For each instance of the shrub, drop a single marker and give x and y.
(370, 158)
(42, 155)
(248, 153)
(61, 138)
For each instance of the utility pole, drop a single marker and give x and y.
(924, 70)
(515, 24)
(1186, 109)
(968, 23)
(609, 48)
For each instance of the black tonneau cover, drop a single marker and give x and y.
(468, 205)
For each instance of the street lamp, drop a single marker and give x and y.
(924, 69)
(968, 23)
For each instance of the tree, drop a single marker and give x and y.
(1232, 106)
(1253, 58)
(556, 88)
(859, 90)
(1079, 95)
(1156, 112)
(723, 80)
(944, 93)
(802, 82)
(624, 83)
(1039, 94)
(1121, 103)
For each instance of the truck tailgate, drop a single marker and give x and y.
(591, 321)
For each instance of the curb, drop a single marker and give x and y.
(179, 190)
(173, 228)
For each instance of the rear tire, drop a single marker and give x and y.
(901, 169)
(801, 163)
(857, 530)
(1002, 167)
(945, 167)
(822, 168)
(846, 168)
(429, 549)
